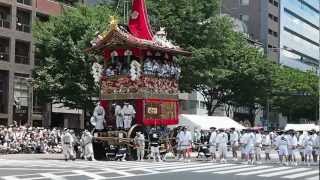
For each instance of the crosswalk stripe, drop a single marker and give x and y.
(284, 172)
(213, 165)
(229, 167)
(299, 175)
(241, 170)
(52, 176)
(313, 178)
(182, 166)
(10, 178)
(263, 171)
(123, 173)
(91, 175)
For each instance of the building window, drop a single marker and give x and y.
(4, 49)
(22, 52)
(21, 97)
(5, 17)
(271, 1)
(270, 31)
(4, 84)
(42, 17)
(270, 16)
(244, 17)
(23, 21)
(244, 2)
(275, 34)
(26, 2)
(276, 3)
(276, 19)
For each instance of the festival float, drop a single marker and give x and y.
(139, 81)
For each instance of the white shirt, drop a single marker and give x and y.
(251, 139)
(222, 138)
(213, 138)
(185, 138)
(234, 137)
(266, 140)
(258, 138)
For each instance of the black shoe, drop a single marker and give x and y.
(66, 159)
(89, 159)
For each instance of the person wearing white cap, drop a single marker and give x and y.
(98, 118)
(128, 113)
(139, 142)
(234, 142)
(119, 117)
(86, 141)
(67, 144)
(258, 146)
(308, 148)
(292, 148)
(222, 140)
(250, 147)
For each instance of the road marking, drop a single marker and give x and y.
(183, 166)
(263, 171)
(284, 172)
(299, 175)
(91, 175)
(230, 166)
(199, 168)
(313, 178)
(123, 173)
(241, 169)
(10, 178)
(52, 176)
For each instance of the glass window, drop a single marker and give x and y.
(275, 34)
(276, 3)
(21, 89)
(24, 21)
(22, 55)
(244, 2)
(26, 2)
(4, 84)
(276, 19)
(4, 49)
(270, 31)
(5, 17)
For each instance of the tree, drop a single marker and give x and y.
(223, 67)
(295, 93)
(63, 75)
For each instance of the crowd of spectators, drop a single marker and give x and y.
(21, 139)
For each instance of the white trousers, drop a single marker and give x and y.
(68, 151)
(127, 122)
(119, 122)
(88, 151)
(140, 153)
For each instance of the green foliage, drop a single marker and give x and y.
(63, 74)
(295, 93)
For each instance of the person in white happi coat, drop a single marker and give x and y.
(222, 140)
(308, 148)
(185, 139)
(98, 118)
(67, 145)
(243, 143)
(139, 142)
(282, 145)
(301, 138)
(292, 147)
(213, 143)
(258, 146)
(234, 142)
(86, 141)
(250, 146)
(119, 117)
(266, 144)
(314, 147)
(128, 114)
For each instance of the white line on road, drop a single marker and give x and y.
(284, 172)
(123, 173)
(52, 176)
(313, 178)
(263, 171)
(186, 165)
(9, 178)
(199, 168)
(242, 169)
(91, 175)
(230, 166)
(299, 175)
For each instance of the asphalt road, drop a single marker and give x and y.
(43, 169)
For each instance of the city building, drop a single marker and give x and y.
(299, 34)
(17, 58)
(288, 29)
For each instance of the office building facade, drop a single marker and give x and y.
(17, 58)
(299, 34)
